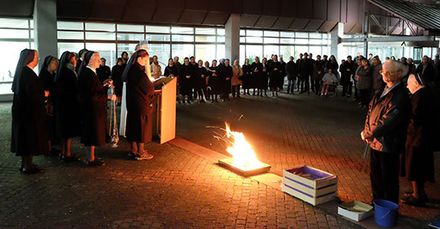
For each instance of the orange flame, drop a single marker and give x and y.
(243, 154)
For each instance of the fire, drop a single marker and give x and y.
(243, 155)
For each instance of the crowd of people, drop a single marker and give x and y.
(68, 99)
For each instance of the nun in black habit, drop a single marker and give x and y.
(186, 80)
(67, 116)
(47, 76)
(140, 99)
(93, 106)
(29, 125)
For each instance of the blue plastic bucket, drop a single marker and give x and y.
(385, 212)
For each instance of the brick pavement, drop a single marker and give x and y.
(177, 189)
(300, 129)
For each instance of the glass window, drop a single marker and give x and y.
(71, 47)
(242, 32)
(9, 62)
(221, 51)
(182, 50)
(67, 25)
(315, 41)
(325, 36)
(100, 36)
(301, 41)
(14, 23)
(287, 51)
(242, 39)
(301, 49)
(184, 38)
(14, 33)
(162, 51)
(254, 50)
(221, 39)
(130, 28)
(271, 40)
(157, 29)
(158, 37)
(315, 35)
(254, 33)
(182, 30)
(326, 50)
(108, 51)
(220, 31)
(287, 34)
(205, 52)
(287, 41)
(243, 54)
(207, 31)
(70, 35)
(302, 35)
(271, 49)
(205, 38)
(254, 39)
(271, 34)
(129, 48)
(130, 37)
(315, 50)
(100, 27)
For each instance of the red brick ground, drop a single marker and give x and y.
(296, 130)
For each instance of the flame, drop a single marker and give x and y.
(243, 154)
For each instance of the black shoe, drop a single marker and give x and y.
(411, 200)
(95, 163)
(409, 194)
(33, 170)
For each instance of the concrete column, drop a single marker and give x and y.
(45, 28)
(232, 37)
(335, 46)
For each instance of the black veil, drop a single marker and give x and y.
(46, 63)
(86, 60)
(131, 62)
(64, 60)
(26, 56)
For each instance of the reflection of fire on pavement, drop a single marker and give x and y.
(244, 160)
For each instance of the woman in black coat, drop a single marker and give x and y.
(263, 78)
(419, 157)
(186, 80)
(214, 82)
(275, 75)
(199, 82)
(29, 125)
(257, 71)
(93, 106)
(247, 76)
(117, 71)
(140, 97)
(47, 76)
(66, 104)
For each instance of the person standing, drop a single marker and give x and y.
(67, 105)
(365, 82)
(186, 82)
(292, 73)
(318, 74)
(247, 76)
(29, 136)
(156, 69)
(263, 78)
(347, 70)
(199, 81)
(103, 71)
(226, 74)
(140, 99)
(385, 131)
(274, 75)
(378, 83)
(93, 105)
(47, 76)
(237, 74)
(80, 59)
(419, 158)
(299, 65)
(214, 82)
(426, 71)
(171, 69)
(117, 71)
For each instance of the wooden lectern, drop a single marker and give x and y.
(164, 119)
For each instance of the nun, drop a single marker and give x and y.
(140, 101)
(67, 104)
(29, 126)
(47, 76)
(93, 105)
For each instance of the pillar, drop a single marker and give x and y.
(45, 28)
(335, 42)
(232, 37)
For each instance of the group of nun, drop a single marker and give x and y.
(68, 100)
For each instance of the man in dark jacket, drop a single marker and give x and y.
(385, 132)
(426, 71)
(347, 70)
(298, 70)
(291, 71)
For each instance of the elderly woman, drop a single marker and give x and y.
(385, 132)
(419, 158)
(237, 73)
(29, 126)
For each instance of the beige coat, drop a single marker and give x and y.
(236, 73)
